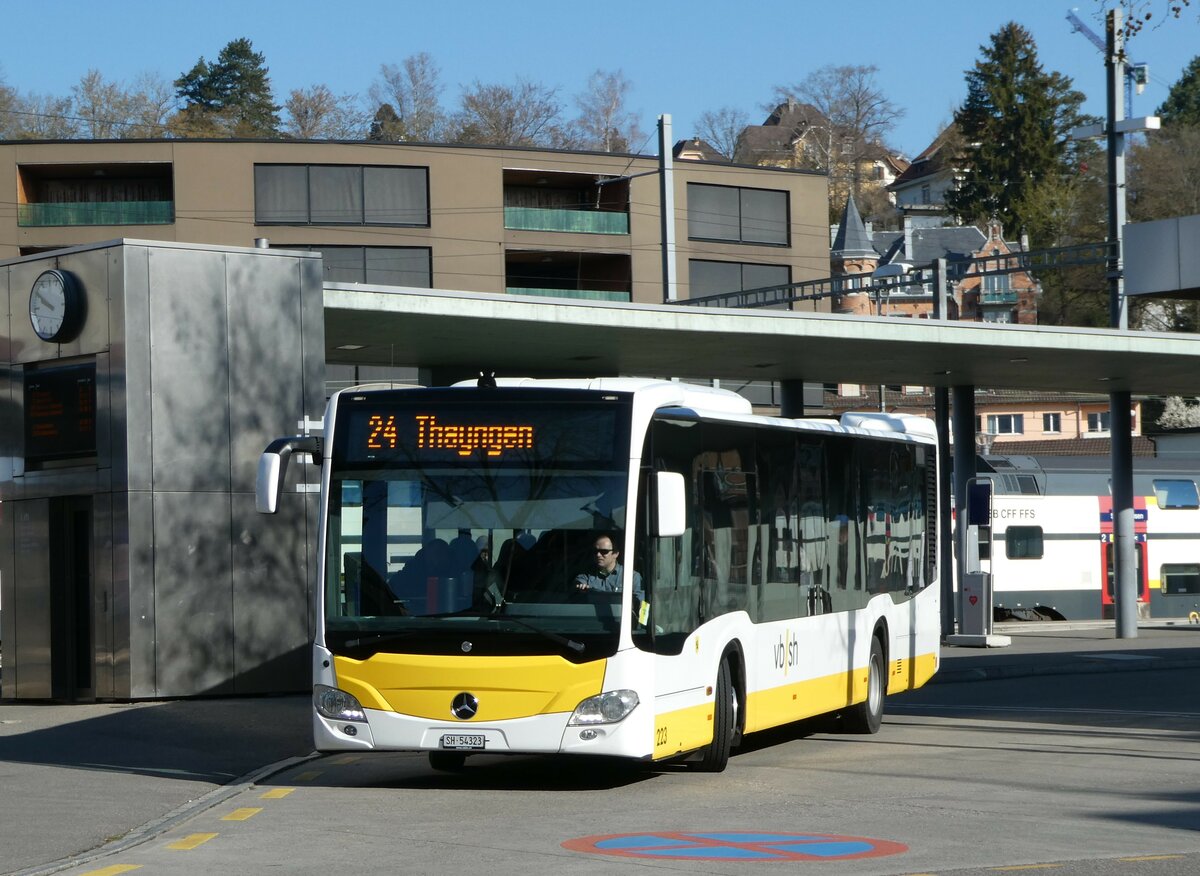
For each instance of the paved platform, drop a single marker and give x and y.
(76, 778)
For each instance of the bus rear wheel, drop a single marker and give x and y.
(715, 757)
(865, 717)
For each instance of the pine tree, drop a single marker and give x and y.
(232, 95)
(1014, 126)
(1182, 106)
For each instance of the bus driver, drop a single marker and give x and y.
(607, 574)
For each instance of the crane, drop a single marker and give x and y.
(1136, 73)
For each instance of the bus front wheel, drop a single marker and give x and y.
(715, 757)
(865, 717)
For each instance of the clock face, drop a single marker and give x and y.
(52, 304)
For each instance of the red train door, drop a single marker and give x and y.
(1107, 553)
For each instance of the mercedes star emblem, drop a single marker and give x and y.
(464, 706)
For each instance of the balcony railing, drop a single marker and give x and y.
(590, 294)
(96, 213)
(579, 221)
(1006, 296)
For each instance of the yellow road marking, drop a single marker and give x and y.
(1028, 867)
(190, 842)
(242, 814)
(308, 776)
(346, 758)
(113, 870)
(277, 793)
(1153, 858)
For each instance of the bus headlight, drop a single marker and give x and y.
(337, 704)
(606, 708)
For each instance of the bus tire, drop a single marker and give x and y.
(865, 717)
(447, 761)
(715, 757)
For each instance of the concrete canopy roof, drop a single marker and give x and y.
(467, 332)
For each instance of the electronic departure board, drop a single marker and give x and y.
(491, 433)
(60, 413)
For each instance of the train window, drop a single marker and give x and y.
(1023, 543)
(1179, 579)
(1176, 493)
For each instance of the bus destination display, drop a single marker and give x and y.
(495, 434)
(60, 413)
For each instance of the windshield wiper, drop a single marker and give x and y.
(493, 595)
(380, 638)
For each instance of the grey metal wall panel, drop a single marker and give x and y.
(8, 596)
(131, 425)
(265, 358)
(102, 596)
(119, 582)
(270, 597)
(6, 310)
(193, 594)
(189, 371)
(10, 432)
(90, 268)
(138, 600)
(30, 606)
(1189, 252)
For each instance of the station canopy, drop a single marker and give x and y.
(514, 336)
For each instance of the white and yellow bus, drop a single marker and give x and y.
(768, 569)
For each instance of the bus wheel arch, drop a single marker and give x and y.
(728, 713)
(867, 716)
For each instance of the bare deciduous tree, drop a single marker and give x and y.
(846, 117)
(604, 123)
(722, 128)
(317, 113)
(413, 90)
(102, 107)
(46, 117)
(523, 114)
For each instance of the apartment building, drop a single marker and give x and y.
(471, 218)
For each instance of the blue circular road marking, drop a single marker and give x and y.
(736, 845)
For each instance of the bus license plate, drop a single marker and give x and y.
(461, 742)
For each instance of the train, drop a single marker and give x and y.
(1051, 551)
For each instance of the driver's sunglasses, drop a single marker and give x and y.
(604, 552)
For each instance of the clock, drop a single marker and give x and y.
(55, 306)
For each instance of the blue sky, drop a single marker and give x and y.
(682, 58)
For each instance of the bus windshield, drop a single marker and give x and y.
(460, 523)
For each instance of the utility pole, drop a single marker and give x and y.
(1124, 543)
(666, 201)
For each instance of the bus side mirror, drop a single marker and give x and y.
(671, 504)
(272, 467)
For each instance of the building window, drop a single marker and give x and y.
(1098, 422)
(1023, 543)
(1180, 579)
(925, 194)
(1176, 493)
(321, 194)
(999, 316)
(737, 215)
(716, 278)
(1052, 423)
(379, 265)
(1006, 424)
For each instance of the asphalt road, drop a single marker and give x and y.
(1087, 761)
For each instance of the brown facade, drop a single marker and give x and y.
(497, 219)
